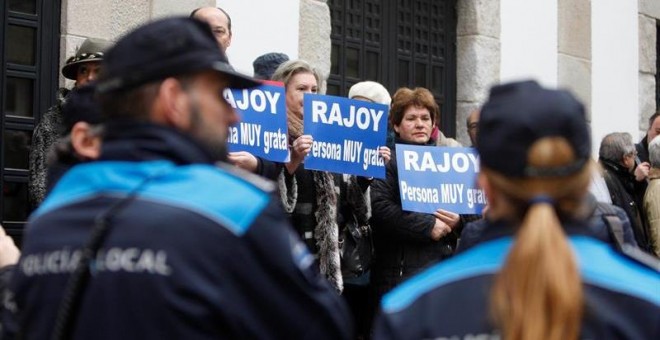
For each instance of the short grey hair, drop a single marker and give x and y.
(654, 152)
(288, 69)
(616, 145)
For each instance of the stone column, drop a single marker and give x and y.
(315, 44)
(649, 14)
(163, 8)
(574, 49)
(477, 57)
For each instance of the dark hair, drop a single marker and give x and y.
(405, 97)
(135, 104)
(192, 15)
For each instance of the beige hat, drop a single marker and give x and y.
(90, 50)
(371, 90)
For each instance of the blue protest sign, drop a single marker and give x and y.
(262, 130)
(433, 177)
(347, 134)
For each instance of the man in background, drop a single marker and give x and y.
(220, 23)
(266, 64)
(617, 156)
(83, 67)
(653, 130)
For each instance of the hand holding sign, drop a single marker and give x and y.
(243, 160)
(385, 153)
(448, 217)
(440, 229)
(299, 149)
(439, 177)
(263, 128)
(347, 135)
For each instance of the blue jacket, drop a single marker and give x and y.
(200, 252)
(451, 300)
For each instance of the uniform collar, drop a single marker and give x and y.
(142, 141)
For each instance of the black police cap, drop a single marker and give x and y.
(520, 113)
(81, 106)
(165, 48)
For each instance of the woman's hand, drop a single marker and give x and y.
(448, 217)
(299, 149)
(244, 160)
(9, 253)
(440, 229)
(384, 152)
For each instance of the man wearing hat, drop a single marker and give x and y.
(266, 64)
(81, 137)
(156, 239)
(83, 68)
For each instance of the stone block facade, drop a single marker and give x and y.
(649, 16)
(478, 42)
(478, 57)
(574, 49)
(315, 45)
(109, 19)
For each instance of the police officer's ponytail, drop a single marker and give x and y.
(538, 293)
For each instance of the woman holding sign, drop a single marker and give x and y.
(320, 203)
(405, 242)
(538, 273)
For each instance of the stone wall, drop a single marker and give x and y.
(649, 14)
(574, 49)
(315, 44)
(109, 19)
(477, 57)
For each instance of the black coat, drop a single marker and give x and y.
(402, 239)
(192, 251)
(627, 194)
(643, 149)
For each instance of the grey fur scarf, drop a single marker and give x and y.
(47, 132)
(326, 232)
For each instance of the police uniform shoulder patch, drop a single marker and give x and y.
(250, 178)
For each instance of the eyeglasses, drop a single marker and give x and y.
(473, 126)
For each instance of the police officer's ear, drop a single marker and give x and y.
(86, 141)
(172, 106)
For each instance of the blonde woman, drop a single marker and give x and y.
(319, 203)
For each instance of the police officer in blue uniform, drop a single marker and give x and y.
(537, 273)
(156, 241)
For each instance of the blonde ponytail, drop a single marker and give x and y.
(538, 292)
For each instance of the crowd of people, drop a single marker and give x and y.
(147, 227)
